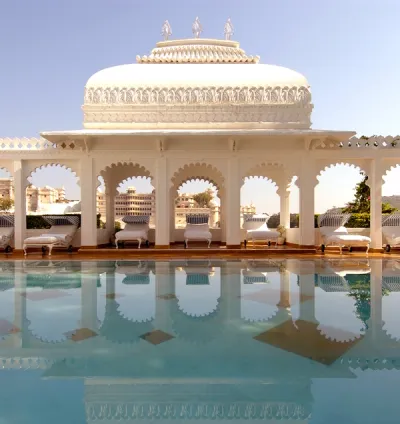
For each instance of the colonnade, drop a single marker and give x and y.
(230, 217)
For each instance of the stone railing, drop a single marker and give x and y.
(377, 142)
(32, 144)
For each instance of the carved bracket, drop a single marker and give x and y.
(161, 145)
(233, 145)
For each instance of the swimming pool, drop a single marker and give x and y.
(255, 340)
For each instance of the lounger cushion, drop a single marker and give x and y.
(131, 235)
(348, 239)
(6, 231)
(327, 231)
(43, 239)
(392, 235)
(197, 232)
(136, 227)
(262, 234)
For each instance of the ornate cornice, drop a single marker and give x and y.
(198, 96)
(279, 116)
(195, 411)
(197, 51)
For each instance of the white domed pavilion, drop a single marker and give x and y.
(198, 109)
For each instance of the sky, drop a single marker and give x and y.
(347, 49)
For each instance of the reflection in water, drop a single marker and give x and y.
(203, 340)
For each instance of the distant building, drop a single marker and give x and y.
(38, 197)
(128, 203)
(133, 203)
(6, 188)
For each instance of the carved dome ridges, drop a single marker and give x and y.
(198, 95)
(198, 51)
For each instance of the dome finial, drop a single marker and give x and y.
(166, 30)
(197, 28)
(228, 29)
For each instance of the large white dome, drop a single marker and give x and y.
(197, 83)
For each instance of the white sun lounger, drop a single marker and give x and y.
(257, 229)
(136, 229)
(198, 273)
(136, 272)
(333, 233)
(333, 277)
(197, 228)
(391, 230)
(61, 233)
(6, 232)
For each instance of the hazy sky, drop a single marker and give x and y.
(348, 50)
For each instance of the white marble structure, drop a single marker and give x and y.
(199, 108)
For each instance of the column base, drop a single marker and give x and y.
(233, 246)
(375, 250)
(88, 247)
(161, 246)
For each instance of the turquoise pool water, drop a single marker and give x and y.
(179, 341)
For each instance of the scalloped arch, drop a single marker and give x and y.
(388, 167)
(351, 164)
(273, 171)
(197, 171)
(116, 173)
(139, 170)
(31, 168)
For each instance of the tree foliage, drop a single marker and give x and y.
(6, 204)
(362, 199)
(203, 199)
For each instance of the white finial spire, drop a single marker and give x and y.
(197, 28)
(166, 30)
(228, 29)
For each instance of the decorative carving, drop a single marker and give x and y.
(283, 115)
(166, 30)
(34, 144)
(374, 142)
(228, 29)
(195, 411)
(176, 52)
(196, 95)
(197, 28)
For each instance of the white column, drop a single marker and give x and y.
(375, 184)
(284, 277)
(19, 204)
(306, 184)
(162, 204)
(88, 203)
(230, 302)
(89, 296)
(232, 206)
(110, 207)
(172, 215)
(284, 214)
(165, 291)
(222, 216)
(19, 307)
(375, 321)
(307, 292)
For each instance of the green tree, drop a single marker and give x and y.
(360, 291)
(362, 200)
(203, 199)
(6, 204)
